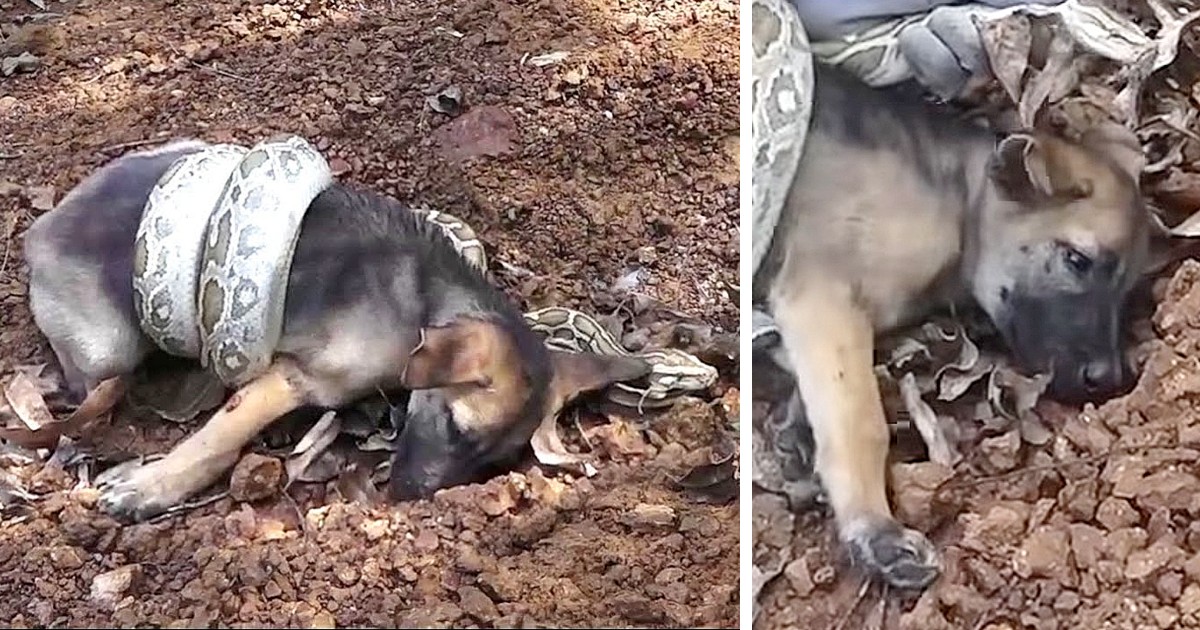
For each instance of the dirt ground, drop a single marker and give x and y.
(605, 181)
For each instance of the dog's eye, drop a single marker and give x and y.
(1077, 260)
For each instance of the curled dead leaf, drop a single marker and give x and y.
(98, 402)
(1014, 395)
(1007, 42)
(310, 447)
(549, 449)
(27, 403)
(940, 447)
(448, 101)
(1053, 78)
(953, 384)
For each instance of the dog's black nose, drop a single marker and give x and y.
(1101, 376)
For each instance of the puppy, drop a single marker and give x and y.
(897, 209)
(377, 300)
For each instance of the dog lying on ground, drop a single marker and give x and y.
(897, 209)
(377, 300)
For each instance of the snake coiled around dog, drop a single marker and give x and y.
(214, 248)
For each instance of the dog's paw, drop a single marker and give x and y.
(133, 491)
(903, 558)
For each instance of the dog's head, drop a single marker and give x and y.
(480, 387)
(1062, 242)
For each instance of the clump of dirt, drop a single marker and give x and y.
(593, 145)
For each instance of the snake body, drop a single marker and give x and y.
(170, 243)
(672, 373)
(214, 248)
(248, 254)
(781, 107)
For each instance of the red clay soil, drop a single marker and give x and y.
(615, 163)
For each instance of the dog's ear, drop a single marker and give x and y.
(1020, 169)
(1120, 144)
(459, 353)
(576, 373)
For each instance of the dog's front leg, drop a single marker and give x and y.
(829, 341)
(195, 463)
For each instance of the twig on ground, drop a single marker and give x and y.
(974, 481)
(582, 434)
(299, 513)
(189, 506)
(862, 594)
(10, 156)
(224, 73)
(132, 144)
(8, 234)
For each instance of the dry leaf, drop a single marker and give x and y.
(547, 59)
(940, 448)
(1034, 431)
(1007, 42)
(1052, 78)
(549, 448)
(378, 441)
(98, 402)
(968, 354)
(1023, 392)
(325, 467)
(312, 445)
(26, 401)
(953, 384)
(179, 394)
(37, 373)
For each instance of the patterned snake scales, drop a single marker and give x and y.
(234, 215)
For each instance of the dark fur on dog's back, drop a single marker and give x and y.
(894, 120)
(349, 236)
(355, 246)
(101, 222)
(840, 100)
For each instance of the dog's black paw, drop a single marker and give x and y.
(133, 492)
(903, 558)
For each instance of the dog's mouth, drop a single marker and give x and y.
(1075, 377)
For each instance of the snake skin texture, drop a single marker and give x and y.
(781, 108)
(214, 248)
(170, 243)
(248, 251)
